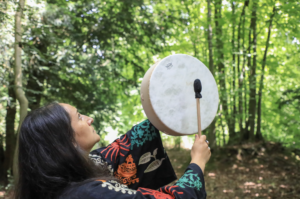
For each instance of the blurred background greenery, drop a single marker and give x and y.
(94, 54)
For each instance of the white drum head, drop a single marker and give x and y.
(172, 96)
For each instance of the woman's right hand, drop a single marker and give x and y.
(200, 152)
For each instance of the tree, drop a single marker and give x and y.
(261, 83)
(20, 95)
(252, 74)
(212, 128)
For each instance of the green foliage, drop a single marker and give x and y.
(91, 54)
(281, 71)
(290, 97)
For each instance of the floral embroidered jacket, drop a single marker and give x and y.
(140, 162)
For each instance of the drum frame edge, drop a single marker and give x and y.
(147, 105)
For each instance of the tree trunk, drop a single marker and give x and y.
(10, 139)
(246, 135)
(209, 38)
(252, 77)
(212, 128)
(261, 83)
(3, 176)
(245, 77)
(223, 131)
(233, 114)
(240, 73)
(20, 95)
(221, 67)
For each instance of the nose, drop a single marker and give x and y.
(89, 120)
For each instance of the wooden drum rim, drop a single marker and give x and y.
(147, 105)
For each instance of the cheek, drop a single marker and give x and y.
(80, 138)
(85, 138)
(81, 135)
(80, 132)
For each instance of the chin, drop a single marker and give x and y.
(97, 139)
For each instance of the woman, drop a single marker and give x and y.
(55, 160)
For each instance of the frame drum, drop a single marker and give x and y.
(168, 97)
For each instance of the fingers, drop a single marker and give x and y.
(203, 138)
(196, 138)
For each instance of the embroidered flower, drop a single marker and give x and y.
(141, 133)
(190, 179)
(113, 185)
(97, 159)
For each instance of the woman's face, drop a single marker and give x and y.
(85, 134)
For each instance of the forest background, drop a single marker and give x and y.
(94, 54)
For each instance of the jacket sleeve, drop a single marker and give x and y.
(189, 186)
(138, 158)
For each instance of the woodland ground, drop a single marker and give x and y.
(246, 171)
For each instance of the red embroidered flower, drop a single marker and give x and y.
(171, 190)
(116, 146)
(156, 194)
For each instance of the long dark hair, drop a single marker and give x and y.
(49, 162)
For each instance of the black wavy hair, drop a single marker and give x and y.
(49, 162)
